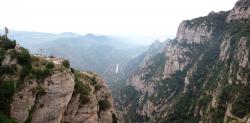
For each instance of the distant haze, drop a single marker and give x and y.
(152, 18)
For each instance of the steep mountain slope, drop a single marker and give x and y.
(36, 89)
(85, 52)
(201, 76)
(135, 64)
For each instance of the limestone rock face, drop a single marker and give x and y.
(243, 59)
(23, 102)
(178, 55)
(189, 32)
(8, 61)
(155, 48)
(224, 48)
(243, 53)
(240, 11)
(57, 98)
(176, 59)
(137, 80)
(147, 109)
(141, 85)
(48, 107)
(206, 67)
(91, 112)
(58, 88)
(81, 114)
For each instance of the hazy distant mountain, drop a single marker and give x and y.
(101, 54)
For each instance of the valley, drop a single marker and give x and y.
(202, 75)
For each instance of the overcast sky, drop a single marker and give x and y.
(112, 17)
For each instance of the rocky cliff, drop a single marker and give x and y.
(38, 89)
(201, 76)
(240, 12)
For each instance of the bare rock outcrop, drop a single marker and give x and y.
(205, 69)
(243, 53)
(176, 59)
(45, 102)
(189, 32)
(63, 95)
(92, 111)
(51, 107)
(224, 48)
(23, 102)
(241, 11)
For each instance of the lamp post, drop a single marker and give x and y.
(41, 51)
(6, 30)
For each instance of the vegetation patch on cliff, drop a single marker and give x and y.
(82, 88)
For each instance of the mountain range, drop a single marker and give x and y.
(200, 76)
(101, 54)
